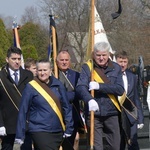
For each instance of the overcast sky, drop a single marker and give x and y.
(15, 7)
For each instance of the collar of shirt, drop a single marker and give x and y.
(66, 72)
(124, 73)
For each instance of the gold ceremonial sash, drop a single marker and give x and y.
(122, 98)
(97, 78)
(49, 99)
(128, 105)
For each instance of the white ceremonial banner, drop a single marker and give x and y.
(99, 32)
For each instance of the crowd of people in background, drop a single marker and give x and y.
(42, 112)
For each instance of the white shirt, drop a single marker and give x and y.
(125, 81)
(12, 74)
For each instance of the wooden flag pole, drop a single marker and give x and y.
(54, 51)
(92, 78)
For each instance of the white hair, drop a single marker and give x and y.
(102, 46)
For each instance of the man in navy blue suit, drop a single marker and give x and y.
(69, 78)
(130, 86)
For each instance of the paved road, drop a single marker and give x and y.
(17, 147)
(144, 143)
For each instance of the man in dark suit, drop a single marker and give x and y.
(69, 78)
(130, 86)
(12, 83)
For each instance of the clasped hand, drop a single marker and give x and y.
(93, 85)
(93, 105)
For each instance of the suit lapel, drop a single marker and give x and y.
(71, 77)
(22, 76)
(130, 83)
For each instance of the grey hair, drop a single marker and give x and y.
(63, 52)
(102, 46)
(44, 61)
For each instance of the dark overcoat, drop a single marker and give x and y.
(10, 96)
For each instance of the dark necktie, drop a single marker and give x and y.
(66, 73)
(16, 77)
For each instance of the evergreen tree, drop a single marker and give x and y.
(4, 42)
(33, 36)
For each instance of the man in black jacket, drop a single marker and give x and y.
(12, 82)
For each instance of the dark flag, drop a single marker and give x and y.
(117, 14)
(16, 35)
(49, 52)
(50, 47)
(53, 44)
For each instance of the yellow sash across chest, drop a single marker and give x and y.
(50, 101)
(98, 79)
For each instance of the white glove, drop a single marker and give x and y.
(66, 135)
(93, 85)
(93, 106)
(2, 131)
(140, 126)
(19, 141)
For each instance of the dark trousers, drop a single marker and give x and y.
(8, 142)
(27, 145)
(106, 128)
(68, 143)
(46, 140)
(134, 143)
